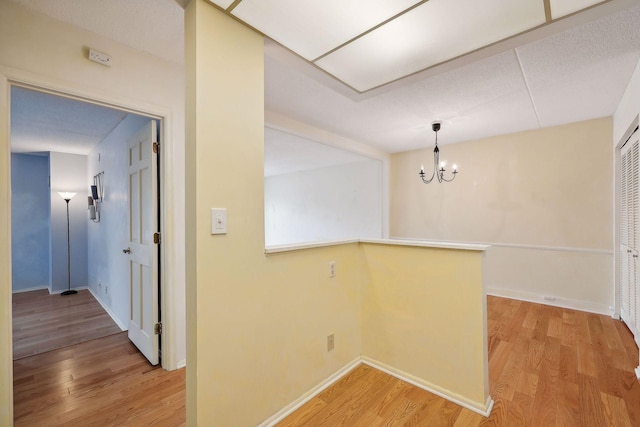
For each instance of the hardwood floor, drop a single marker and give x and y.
(43, 322)
(104, 382)
(548, 366)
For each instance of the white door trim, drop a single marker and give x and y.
(6, 340)
(165, 117)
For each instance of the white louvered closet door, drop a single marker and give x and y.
(630, 234)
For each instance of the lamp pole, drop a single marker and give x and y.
(67, 198)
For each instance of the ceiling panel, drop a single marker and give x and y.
(582, 73)
(313, 28)
(432, 33)
(560, 8)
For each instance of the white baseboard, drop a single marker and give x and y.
(181, 363)
(35, 288)
(553, 300)
(290, 408)
(59, 291)
(432, 388)
(108, 310)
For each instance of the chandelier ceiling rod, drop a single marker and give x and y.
(438, 167)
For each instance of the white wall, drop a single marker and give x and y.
(68, 173)
(108, 265)
(331, 203)
(53, 55)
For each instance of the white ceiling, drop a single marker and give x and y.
(572, 75)
(369, 43)
(571, 69)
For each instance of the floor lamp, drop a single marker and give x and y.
(67, 197)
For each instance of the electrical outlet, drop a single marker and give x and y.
(332, 268)
(330, 342)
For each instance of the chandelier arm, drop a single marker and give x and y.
(435, 173)
(436, 160)
(427, 181)
(451, 179)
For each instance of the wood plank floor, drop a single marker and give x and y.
(548, 366)
(43, 322)
(104, 382)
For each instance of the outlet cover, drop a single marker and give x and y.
(330, 342)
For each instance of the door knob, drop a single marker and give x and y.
(126, 251)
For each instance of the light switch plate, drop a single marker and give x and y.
(218, 221)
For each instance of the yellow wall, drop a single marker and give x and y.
(424, 314)
(257, 324)
(536, 194)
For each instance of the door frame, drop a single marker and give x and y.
(10, 77)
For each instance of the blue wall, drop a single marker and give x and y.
(108, 266)
(30, 221)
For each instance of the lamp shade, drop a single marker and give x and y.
(66, 195)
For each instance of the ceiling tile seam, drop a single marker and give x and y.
(360, 92)
(526, 83)
(233, 5)
(373, 88)
(385, 22)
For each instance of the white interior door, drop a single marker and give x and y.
(143, 253)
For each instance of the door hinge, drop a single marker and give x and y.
(157, 328)
(156, 238)
(156, 147)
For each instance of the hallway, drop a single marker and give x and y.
(44, 322)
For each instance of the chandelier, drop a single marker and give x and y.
(438, 167)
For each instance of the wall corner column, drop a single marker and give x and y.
(224, 161)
